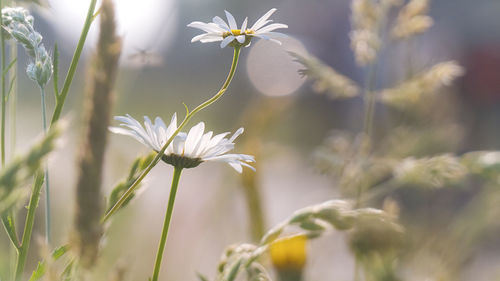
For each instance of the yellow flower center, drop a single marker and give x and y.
(237, 32)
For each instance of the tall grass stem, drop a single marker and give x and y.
(97, 114)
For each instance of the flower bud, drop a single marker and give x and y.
(289, 256)
(18, 23)
(41, 70)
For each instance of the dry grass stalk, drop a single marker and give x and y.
(412, 20)
(427, 82)
(365, 40)
(97, 117)
(326, 79)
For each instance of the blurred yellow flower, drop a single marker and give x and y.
(289, 253)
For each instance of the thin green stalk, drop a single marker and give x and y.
(28, 226)
(10, 218)
(4, 97)
(189, 115)
(39, 176)
(12, 98)
(47, 184)
(166, 224)
(61, 98)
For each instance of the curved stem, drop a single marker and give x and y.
(166, 223)
(158, 156)
(47, 185)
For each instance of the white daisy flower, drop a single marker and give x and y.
(186, 150)
(229, 34)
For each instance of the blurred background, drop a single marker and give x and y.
(285, 120)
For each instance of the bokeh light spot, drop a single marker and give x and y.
(272, 70)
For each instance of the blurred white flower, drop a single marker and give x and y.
(186, 150)
(229, 34)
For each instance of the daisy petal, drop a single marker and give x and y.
(126, 132)
(236, 134)
(241, 38)
(272, 27)
(199, 37)
(244, 25)
(209, 39)
(274, 34)
(237, 167)
(260, 22)
(221, 23)
(249, 166)
(205, 140)
(193, 138)
(226, 41)
(172, 126)
(267, 38)
(231, 20)
(178, 145)
(207, 27)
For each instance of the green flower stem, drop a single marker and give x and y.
(166, 224)
(47, 184)
(39, 176)
(189, 115)
(4, 96)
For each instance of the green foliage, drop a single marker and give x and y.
(138, 166)
(42, 266)
(22, 168)
(39, 272)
